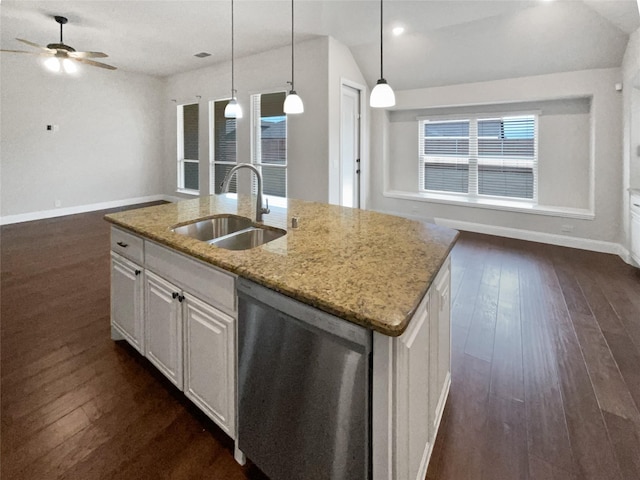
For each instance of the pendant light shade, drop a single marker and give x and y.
(382, 95)
(293, 103)
(232, 110)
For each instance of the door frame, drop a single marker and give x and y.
(364, 139)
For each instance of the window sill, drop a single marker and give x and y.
(494, 204)
(187, 191)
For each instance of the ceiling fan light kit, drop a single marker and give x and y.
(62, 57)
(292, 103)
(233, 109)
(382, 95)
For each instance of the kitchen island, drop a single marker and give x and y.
(385, 273)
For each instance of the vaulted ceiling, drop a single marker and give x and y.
(445, 41)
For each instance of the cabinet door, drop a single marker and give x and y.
(635, 237)
(209, 362)
(127, 300)
(441, 316)
(163, 327)
(412, 408)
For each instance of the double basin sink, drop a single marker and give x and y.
(231, 232)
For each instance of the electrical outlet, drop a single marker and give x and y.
(58, 203)
(566, 229)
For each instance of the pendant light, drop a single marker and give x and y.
(232, 110)
(293, 103)
(382, 95)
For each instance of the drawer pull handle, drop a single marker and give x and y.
(636, 205)
(138, 272)
(123, 245)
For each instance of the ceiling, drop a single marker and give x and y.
(445, 41)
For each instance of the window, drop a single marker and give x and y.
(224, 148)
(487, 156)
(270, 141)
(188, 155)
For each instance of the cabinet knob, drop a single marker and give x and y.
(123, 245)
(175, 295)
(138, 272)
(180, 298)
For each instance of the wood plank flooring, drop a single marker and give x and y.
(545, 384)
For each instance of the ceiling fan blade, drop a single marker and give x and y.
(95, 64)
(35, 45)
(87, 55)
(38, 54)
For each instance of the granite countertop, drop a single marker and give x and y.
(365, 267)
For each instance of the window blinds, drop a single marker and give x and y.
(224, 147)
(270, 142)
(485, 156)
(188, 176)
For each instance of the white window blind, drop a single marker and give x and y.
(493, 156)
(188, 150)
(270, 141)
(224, 148)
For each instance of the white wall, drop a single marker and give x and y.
(307, 133)
(106, 149)
(563, 150)
(605, 150)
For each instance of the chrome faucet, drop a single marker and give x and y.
(260, 210)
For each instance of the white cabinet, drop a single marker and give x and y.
(180, 313)
(411, 379)
(440, 355)
(635, 228)
(209, 361)
(127, 320)
(163, 326)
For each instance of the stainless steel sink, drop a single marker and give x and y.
(229, 231)
(214, 227)
(249, 238)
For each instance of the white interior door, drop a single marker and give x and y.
(350, 147)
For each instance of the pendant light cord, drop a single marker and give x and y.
(381, 55)
(233, 91)
(292, 47)
(61, 33)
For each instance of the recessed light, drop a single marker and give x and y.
(202, 55)
(398, 31)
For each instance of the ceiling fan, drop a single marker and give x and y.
(62, 56)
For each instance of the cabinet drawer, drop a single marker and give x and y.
(202, 280)
(127, 245)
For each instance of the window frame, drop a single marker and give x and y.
(256, 146)
(474, 160)
(181, 161)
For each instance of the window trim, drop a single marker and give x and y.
(180, 188)
(472, 196)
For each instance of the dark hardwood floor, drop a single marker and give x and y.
(546, 368)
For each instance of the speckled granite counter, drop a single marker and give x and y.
(365, 267)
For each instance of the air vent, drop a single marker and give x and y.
(202, 55)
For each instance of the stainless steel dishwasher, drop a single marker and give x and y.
(303, 389)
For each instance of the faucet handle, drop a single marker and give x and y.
(266, 209)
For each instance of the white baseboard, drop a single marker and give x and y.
(60, 212)
(532, 236)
